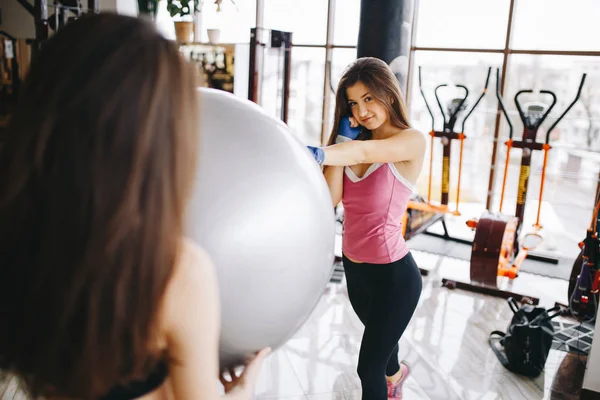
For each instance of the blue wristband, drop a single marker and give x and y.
(346, 132)
(317, 153)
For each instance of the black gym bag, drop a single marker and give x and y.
(528, 339)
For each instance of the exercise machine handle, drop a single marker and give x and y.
(522, 115)
(457, 109)
(455, 112)
(520, 92)
(510, 127)
(549, 108)
(568, 108)
(426, 104)
(438, 101)
(487, 80)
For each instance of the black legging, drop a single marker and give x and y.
(384, 296)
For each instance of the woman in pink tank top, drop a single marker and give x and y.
(371, 164)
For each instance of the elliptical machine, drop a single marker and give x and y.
(421, 213)
(498, 249)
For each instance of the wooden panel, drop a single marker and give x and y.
(493, 237)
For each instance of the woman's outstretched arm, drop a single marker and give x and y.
(404, 146)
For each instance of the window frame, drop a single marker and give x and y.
(507, 51)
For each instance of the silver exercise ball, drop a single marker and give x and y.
(262, 209)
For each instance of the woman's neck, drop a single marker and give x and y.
(384, 131)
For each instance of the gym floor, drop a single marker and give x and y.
(446, 344)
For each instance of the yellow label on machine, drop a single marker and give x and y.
(445, 175)
(522, 184)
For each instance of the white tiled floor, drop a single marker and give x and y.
(446, 344)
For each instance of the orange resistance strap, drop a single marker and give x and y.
(537, 221)
(509, 145)
(595, 218)
(432, 134)
(596, 282)
(461, 136)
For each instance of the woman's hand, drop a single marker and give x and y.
(348, 130)
(243, 385)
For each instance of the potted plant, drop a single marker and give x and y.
(214, 32)
(182, 12)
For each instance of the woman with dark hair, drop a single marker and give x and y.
(101, 296)
(372, 163)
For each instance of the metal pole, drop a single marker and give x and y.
(287, 72)
(93, 6)
(492, 177)
(260, 6)
(326, 81)
(252, 73)
(40, 17)
(411, 58)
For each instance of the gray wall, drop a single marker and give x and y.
(15, 20)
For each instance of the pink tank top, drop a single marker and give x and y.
(373, 208)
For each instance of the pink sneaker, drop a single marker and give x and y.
(395, 390)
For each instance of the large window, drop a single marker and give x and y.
(549, 47)
(470, 70)
(561, 75)
(306, 19)
(573, 160)
(346, 22)
(556, 25)
(271, 84)
(306, 97)
(340, 59)
(234, 21)
(310, 117)
(462, 23)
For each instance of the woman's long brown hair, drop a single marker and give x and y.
(94, 179)
(376, 75)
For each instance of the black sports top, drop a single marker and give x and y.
(139, 388)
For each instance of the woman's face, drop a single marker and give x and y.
(368, 111)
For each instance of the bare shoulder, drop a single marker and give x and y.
(416, 132)
(194, 280)
(415, 142)
(410, 134)
(192, 325)
(193, 255)
(411, 138)
(194, 266)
